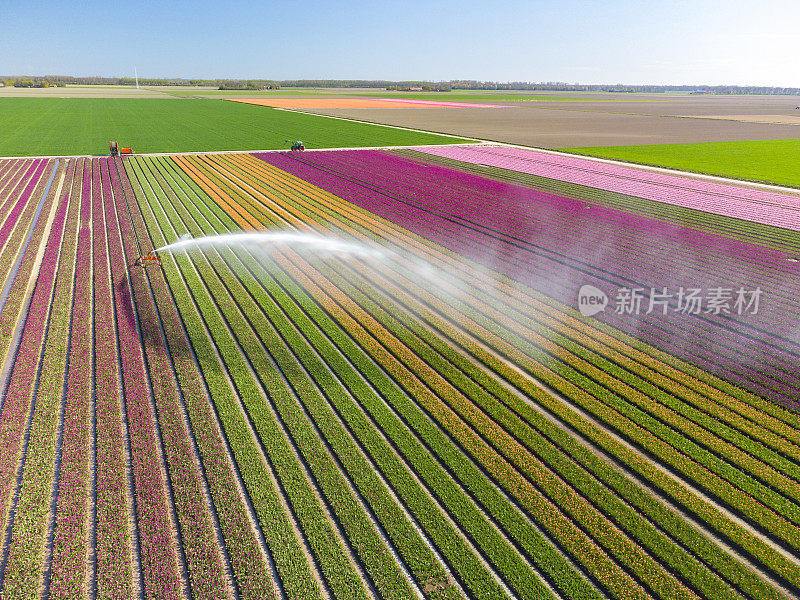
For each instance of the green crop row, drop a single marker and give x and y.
(28, 545)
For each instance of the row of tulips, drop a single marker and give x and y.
(738, 229)
(71, 528)
(52, 302)
(21, 419)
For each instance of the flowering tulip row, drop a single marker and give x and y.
(22, 418)
(747, 203)
(538, 250)
(71, 528)
(738, 229)
(12, 245)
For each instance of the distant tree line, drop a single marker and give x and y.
(249, 84)
(438, 86)
(30, 83)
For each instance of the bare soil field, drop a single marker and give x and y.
(89, 91)
(593, 125)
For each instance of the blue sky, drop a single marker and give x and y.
(669, 42)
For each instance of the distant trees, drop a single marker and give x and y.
(249, 84)
(433, 86)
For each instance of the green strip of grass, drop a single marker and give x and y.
(772, 161)
(66, 126)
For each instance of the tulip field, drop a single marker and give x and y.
(399, 395)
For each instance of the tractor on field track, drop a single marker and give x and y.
(297, 145)
(116, 150)
(150, 258)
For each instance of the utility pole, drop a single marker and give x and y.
(136, 74)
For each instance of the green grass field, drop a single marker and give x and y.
(772, 161)
(67, 126)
